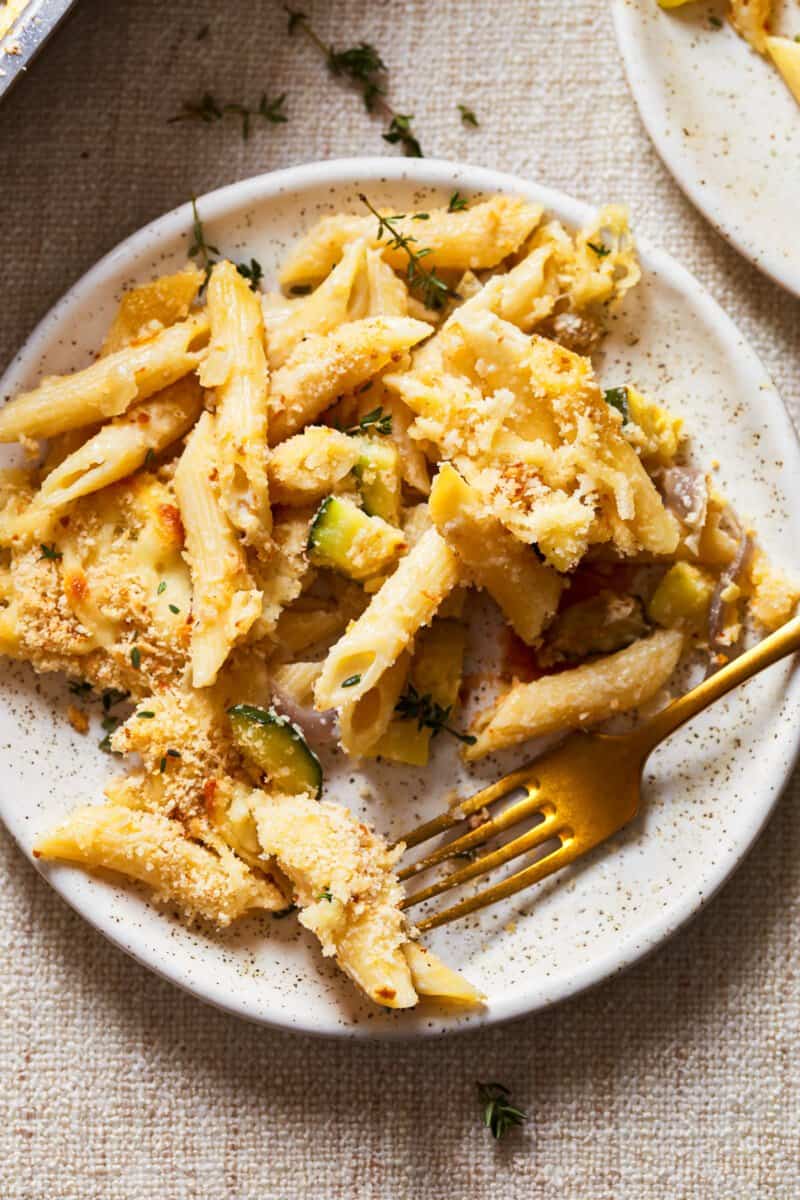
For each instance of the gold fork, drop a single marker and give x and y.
(584, 790)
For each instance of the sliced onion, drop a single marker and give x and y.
(732, 574)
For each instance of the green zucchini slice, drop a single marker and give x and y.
(345, 538)
(277, 747)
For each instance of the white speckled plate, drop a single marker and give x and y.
(708, 792)
(723, 121)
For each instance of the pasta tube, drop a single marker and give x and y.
(323, 367)
(236, 367)
(403, 605)
(526, 589)
(477, 238)
(225, 601)
(155, 850)
(117, 450)
(108, 387)
(583, 696)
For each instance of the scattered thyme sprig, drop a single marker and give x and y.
(208, 109)
(427, 285)
(363, 66)
(467, 115)
(206, 253)
(499, 1114)
(376, 421)
(457, 203)
(429, 715)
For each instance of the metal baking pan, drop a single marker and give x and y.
(27, 34)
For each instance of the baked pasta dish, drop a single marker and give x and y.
(751, 19)
(260, 521)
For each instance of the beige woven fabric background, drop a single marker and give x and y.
(681, 1079)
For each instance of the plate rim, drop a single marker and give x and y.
(764, 259)
(428, 173)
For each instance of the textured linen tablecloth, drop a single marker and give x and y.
(679, 1079)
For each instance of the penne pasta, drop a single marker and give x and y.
(236, 368)
(579, 697)
(324, 367)
(117, 450)
(526, 589)
(477, 238)
(108, 387)
(405, 604)
(345, 887)
(155, 850)
(225, 602)
(362, 722)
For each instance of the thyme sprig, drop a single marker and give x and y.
(467, 115)
(207, 254)
(499, 1114)
(427, 285)
(376, 421)
(363, 67)
(208, 109)
(429, 715)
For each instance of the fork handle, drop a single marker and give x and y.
(785, 640)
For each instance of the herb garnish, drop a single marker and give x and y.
(432, 290)
(376, 421)
(715, 22)
(207, 253)
(429, 715)
(49, 552)
(200, 248)
(162, 587)
(499, 1114)
(325, 895)
(617, 397)
(173, 608)
(146, 714)
(109, 724)
(283, 912)
(208, 110)
(80, 687)
(456, 203)
(467, 115)
(351, 681)
(136, 657)
(400, 131)
(600, 250)
(252, 272)
(112, 696)
(149, 458)
(363, 66)
(162, 766)
(301, 289)
(173, 754)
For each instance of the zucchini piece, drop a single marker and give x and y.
(346, 539)
(277, 747)
(377, 472)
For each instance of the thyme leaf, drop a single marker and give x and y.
(499, 1114)
(429, 715)
(467, 115)
(208, 109)
(427, 285)
(362, 66)
(376, 421)
(456, 203)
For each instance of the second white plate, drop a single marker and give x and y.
(723, 121)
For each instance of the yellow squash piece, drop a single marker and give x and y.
(785, 53)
